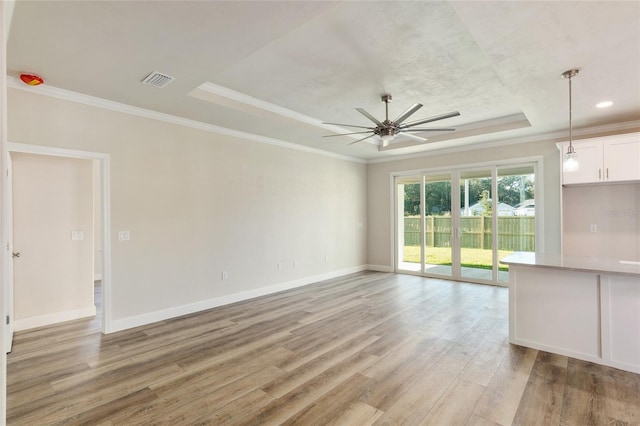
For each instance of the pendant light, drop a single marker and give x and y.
(570, 162)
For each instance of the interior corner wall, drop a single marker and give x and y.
(197, 203)
(380, 235)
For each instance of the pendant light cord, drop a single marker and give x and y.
(570, 117)
(570, 74)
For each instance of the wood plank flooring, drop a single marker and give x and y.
(369, 348)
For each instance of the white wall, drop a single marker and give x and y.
(6, 14)
(380, 234)
(199, 203)
(614, 209)
(53, 277)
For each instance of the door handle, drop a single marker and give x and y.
(16, 254)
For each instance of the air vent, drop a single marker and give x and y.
(157, 79)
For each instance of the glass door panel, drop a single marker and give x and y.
(437, 225)
(516, 228)
(492, 215)
(409, 245)
(476, 217)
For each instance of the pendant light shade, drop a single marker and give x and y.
(570, 161)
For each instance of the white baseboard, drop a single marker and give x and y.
(42, 320)
(634, 368)
(380, 268)
(177, 311)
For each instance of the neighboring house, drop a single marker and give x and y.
(525, 208)
(478, 210)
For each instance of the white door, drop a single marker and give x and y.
(53, 231)
(9, 254)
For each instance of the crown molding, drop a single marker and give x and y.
(220, 95)
(558, 136)
(68, 95)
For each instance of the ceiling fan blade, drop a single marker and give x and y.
(410, 136)
(349, 125)
(431, 129)
(407, 113)
(434, 118)
(344, 134)
(369, 116)
(360, 140)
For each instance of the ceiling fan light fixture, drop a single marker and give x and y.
(387, 130)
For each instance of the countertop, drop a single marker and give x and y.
(574, 263)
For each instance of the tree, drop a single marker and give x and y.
(512, 190)
(412, 199)
(515, 189)
(485, 202)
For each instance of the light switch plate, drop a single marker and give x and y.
(124, 235)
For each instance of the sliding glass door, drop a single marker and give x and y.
(516, 228)
(409, 252)
(458, 224)
(437, 225)
(476, 225)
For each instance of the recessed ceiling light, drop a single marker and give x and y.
(604, 104)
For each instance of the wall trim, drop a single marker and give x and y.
(57, 317)
(94, 101)
(379, 268)
(559, 136)
(177, 311)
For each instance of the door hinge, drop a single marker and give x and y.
(7, 246)
(8, 321)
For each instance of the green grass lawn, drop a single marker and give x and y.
(472, 258)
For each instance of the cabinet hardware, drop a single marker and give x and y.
(599, 173)
(607, 173)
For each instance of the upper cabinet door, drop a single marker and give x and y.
(622, 159)
(589, 155)
(605, 159)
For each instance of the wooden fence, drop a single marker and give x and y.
(515, 233)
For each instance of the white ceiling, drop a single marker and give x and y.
(278, 69)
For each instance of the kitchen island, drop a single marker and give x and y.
(585, 308)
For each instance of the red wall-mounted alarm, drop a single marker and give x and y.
(31, 79)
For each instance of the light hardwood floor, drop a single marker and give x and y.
(369, 348)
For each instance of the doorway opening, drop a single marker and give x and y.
(98, 228)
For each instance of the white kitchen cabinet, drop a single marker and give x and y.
(620, 312)
(582, 307)
(607, 159)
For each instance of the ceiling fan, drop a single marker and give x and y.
(386, 130)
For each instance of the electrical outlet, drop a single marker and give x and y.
(225, 275)
(279, 266)
(326, 259)
(295, 263)
(124, 235)
(594, 228)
